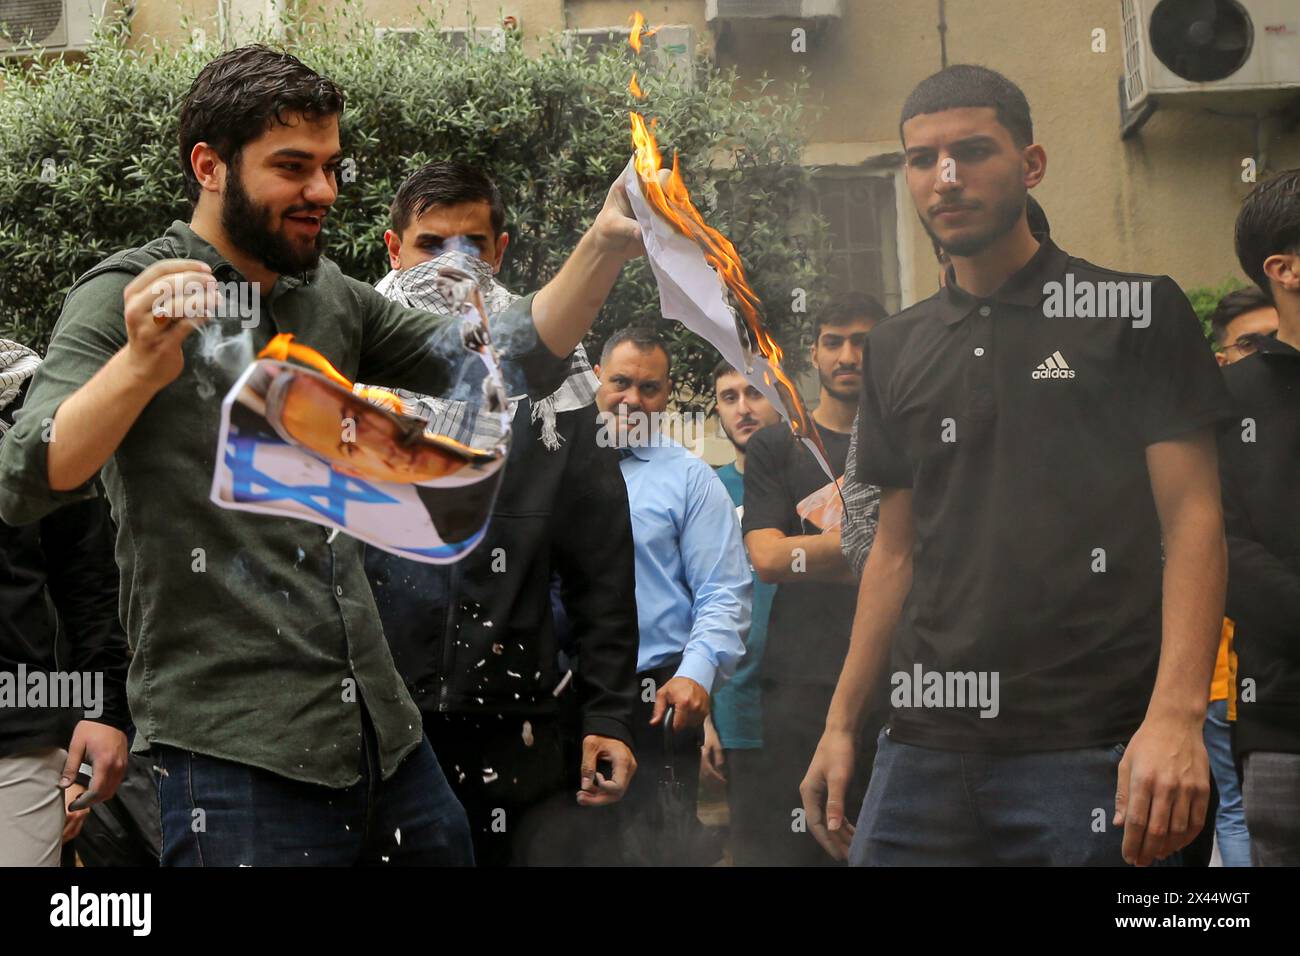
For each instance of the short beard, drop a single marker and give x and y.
(828, 383)
(1007, 215)
(738, 445)
(840, 394)
(248, 226)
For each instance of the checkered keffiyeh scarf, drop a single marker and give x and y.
(18, 363)
(861, 511)
(416, 288)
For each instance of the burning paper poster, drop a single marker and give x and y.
(304, 442)
(298, 445)
(691, 292)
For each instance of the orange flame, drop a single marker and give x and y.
(282, 348)
(639, 32)
(672, 200)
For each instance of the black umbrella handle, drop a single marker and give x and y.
(669, 749)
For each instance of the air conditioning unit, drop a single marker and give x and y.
(49, 24)
(740, 10)
(671, 47)
(1192, 52)
(460, 37)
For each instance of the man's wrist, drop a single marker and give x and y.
(608, 252)
(611, 728)
(698, 668)
(840, 720)
(131, 377)
(1179, 711)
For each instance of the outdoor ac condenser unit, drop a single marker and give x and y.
(51, 24)
(1202, 49)
(460, 37)
(672, 47)
(738, 10)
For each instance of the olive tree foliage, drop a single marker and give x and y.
(88, 161)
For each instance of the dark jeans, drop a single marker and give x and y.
(1271, 793)
(772, 830)
(520, 789)
(219, 813)
(944, 808)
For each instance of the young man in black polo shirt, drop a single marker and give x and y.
(792, 532)
(1260, 454)
(1031, 458)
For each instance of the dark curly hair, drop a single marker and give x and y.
(447, 183)
(237, 97)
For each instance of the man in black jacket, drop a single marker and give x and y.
(1260, 461)
(475, 641)
(55, 710)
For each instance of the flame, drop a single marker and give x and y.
(672, 200)
(639, 32)
(282, 348)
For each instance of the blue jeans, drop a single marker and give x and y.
(253, 817)
(944, 808)
(1230, 821)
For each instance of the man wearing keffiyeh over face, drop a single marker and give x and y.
(475, 642)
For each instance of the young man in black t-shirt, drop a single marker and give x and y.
(1037, 428)
(792, 531)
(1260, 451)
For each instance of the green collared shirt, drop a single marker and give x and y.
(254, 638)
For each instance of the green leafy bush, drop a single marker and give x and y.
(1205, 298)
(551, 128)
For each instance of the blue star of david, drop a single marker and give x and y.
(330, 500)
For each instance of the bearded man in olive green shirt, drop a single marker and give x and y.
(260, 678)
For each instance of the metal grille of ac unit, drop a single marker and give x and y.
(669, 48)
(593, 40)
(28, 22)
(760, 8)
(460, 38)
(1133, 27)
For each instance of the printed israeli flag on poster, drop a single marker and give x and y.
(272, 466)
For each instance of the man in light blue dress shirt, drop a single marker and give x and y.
(693, 587)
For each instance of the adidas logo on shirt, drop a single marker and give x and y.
(1054, 366)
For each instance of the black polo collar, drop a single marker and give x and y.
(1025, 288)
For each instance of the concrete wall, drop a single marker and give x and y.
(1161, 202)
